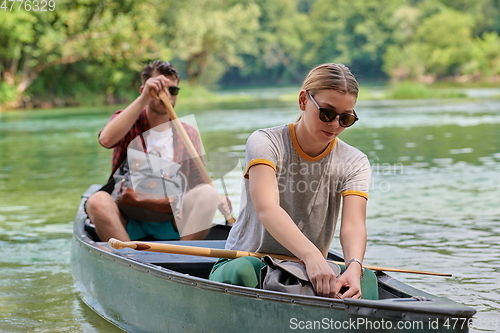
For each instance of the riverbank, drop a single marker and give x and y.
(195, 95)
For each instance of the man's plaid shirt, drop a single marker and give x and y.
(181, 154)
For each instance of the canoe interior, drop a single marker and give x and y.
(183, 274)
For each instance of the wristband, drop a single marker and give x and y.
(355, 260)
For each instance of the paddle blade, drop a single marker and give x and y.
(221, 163)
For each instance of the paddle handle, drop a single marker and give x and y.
(187, 250)
(190, 147)
(232, 254)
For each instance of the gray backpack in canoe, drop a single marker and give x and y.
(288, 276)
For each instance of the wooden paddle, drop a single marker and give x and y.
(189, 145)
(231, 254)
(221, 163)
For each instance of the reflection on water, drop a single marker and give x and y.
(434, 200)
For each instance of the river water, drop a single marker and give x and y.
(434, 203)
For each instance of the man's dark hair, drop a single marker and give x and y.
(162, 67)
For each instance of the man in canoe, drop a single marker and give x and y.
(145, 125)
(298, 178)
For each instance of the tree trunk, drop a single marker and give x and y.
(195, 66)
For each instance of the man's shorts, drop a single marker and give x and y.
(139, 230)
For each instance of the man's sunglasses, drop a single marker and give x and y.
(328, 115)
(174, 91)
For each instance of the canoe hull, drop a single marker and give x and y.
(135, 292)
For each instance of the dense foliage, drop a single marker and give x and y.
(89, 51)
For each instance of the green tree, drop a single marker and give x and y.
(445, 40)
(354, 32)
(280, 44)
(105, 32)
(438, 47)
(282, 40)
(89, 47)
(486, 13)
(209, 36)
(485, 57)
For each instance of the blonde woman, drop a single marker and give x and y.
(299, 178)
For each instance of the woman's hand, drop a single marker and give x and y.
(350, 279)
(322, 277)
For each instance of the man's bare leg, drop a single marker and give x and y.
(106, 216)
(198, 212)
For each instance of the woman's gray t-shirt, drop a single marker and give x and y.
(310, 188)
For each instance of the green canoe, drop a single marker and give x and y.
(155, 292)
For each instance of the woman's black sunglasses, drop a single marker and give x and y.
(328, 115)
(174, 91)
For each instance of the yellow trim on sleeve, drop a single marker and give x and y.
(302, 153)
(258, 161)
(352, 192)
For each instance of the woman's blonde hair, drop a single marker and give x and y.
(331, 76)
